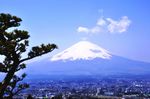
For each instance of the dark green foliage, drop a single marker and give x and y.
(12, 45)
(30, 97)
(59, 96)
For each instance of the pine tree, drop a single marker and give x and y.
(12, 45)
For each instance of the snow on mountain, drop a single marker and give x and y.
(82, 50)
(86, 58)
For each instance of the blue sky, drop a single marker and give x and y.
(123, 27)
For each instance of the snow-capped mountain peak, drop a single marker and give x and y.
(82, 50)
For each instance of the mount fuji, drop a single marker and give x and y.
(86, 58)
(82, 50)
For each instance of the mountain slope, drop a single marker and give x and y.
(85, 58)
(82, 50)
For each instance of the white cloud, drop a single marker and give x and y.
(93, 30)
(118, 26)
(96, 29)
(101, 22)
(83, 29)
(107, 24)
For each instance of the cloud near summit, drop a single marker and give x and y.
(107, 25)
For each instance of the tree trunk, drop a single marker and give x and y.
(7, 80)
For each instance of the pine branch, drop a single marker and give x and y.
(38, 51)
(12, 45)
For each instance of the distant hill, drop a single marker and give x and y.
(86, 58)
